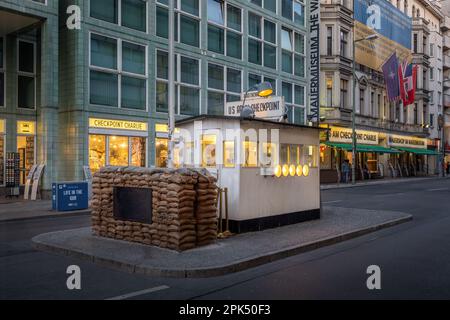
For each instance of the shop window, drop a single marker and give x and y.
(209, 154)
(2, 74)
(250, 154)
(118, 151)
(326, 158)
(162, 147)
(138, 151)
(229, 155)
(97, 152)
(26, 77)
(26, 150)
(309, 156)
(2, 152)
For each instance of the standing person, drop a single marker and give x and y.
(345, 171)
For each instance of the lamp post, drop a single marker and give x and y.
(171, 87)
(368, 38)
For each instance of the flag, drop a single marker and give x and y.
(407, 78)
(390, 72)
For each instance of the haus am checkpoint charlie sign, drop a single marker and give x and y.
(264, 108)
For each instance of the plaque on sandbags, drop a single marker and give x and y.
(132, 204)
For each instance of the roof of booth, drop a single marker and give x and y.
(212, 117)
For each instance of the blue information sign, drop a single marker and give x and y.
(70, 196)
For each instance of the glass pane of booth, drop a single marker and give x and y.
(250, 154)
(208, 150)
(229, 160)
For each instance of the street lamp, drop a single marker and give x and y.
(368, 38)
(264, 89)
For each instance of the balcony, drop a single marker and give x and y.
(446, 62)
(446, 42)
(445, 25)
(420, 24)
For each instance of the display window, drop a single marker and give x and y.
(268, 156)
(250, 154)
(26, 147)
(111, 150)
(2, 152)
(209, 154)
(161, 151)
(229, 154)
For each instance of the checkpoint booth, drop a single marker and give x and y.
(270, 168)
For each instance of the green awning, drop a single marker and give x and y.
(419, 151)
(362, 147)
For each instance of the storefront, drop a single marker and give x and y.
(26, 147)
(2, 151)
(117, 143)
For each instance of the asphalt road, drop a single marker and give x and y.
(414, 259)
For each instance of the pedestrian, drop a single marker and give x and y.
(346, 171)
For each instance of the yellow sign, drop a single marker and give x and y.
(408, 142)
(374, 53)
(2, 126)
(344, 135)
(117, 124)
(26, 127)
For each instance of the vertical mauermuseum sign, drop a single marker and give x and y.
(314, 61)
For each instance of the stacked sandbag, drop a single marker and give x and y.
(206, 209)
(179, 202)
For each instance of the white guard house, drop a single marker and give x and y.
(271, 168)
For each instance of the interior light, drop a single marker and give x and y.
(292, 170)
(306, 170)
(285, 170)
(299, 170)
(278, 171)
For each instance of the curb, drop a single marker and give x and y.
(52, 215)
(215, 271)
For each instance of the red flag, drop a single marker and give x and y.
(407, 78)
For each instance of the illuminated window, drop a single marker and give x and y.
(97, 152)
(309, 156)
(250, 154)
(26, 150)
(138, 147)
(209, 150)
(269, 154)
(229, 156)
(162, 146)
(118, 151)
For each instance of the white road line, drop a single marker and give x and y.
(438, 189)
(139, 293)
(335, 201)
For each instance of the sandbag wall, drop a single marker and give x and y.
(184, 206)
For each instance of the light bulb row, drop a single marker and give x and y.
(291, 170)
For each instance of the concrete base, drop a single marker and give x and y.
(225, 256)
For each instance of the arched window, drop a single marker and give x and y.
(405, 9)
(418, 13)
(413, 12)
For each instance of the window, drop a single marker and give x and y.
(431, 73)
(270, 5)
(343, 39)
(431, 50)
(329, 84)
(209, 154)
(250, 153)
(293, 50)
(293, 10)
(224, 29)
(262, 41)
(108, 81)
(362, 93)
(329, 41)
(229, 154)
(187, 21)
(107, 150)
(224, 85)
(128, 13)
(405, 8)
(2, 79)
(294, 96)
(415, 45)
(344, 89)
(26, 77)
(187, 84)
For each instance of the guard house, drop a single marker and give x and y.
(270, 168)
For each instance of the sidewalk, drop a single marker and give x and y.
(377, 182)
(19, 209)
(225, 256)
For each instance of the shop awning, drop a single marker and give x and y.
(362, 147)
(419, 151)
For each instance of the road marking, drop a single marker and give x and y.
(438, 189)
(139, 293)
(334, 201)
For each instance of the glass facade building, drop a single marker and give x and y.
(109, 85)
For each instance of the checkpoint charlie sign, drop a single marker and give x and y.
(344, 135)
(264, 108)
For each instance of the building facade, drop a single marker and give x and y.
(101, 89)
(413, 129)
